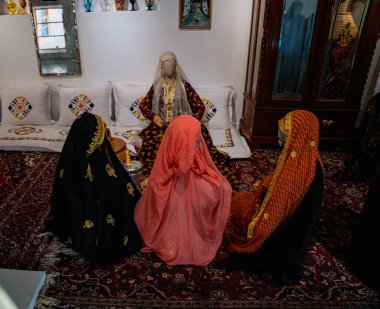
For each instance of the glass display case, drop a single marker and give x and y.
(308, 54)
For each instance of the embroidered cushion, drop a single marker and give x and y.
(210, 111)
(222, 138)
(127, 100)
(22, 105)
(223, 99)
(94, 98)
(135, 110)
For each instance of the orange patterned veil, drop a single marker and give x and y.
(255, 216)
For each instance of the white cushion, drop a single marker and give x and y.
(222, 138)
(125, 95)
(49, 138)
(24, 105)
(240, 148)
(74, 100)
(223, 100)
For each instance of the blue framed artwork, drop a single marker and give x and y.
(195, 14)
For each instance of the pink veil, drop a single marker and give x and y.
(183, 211)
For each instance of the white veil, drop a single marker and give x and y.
(180, 104)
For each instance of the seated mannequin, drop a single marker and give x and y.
(171, 95)
(360, 256)
(183, 211)
(365, 150)
(268, 228)
(93, 197)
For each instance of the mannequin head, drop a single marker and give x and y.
(168, 68)
(168, 62)
(169, 71)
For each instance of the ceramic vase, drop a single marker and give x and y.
(12, 7)
(119, 5)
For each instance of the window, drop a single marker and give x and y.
(49, 28)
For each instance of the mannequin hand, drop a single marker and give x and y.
(158, 121)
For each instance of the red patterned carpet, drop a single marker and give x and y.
(143, 281)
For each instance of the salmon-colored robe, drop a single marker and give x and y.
(183, 211)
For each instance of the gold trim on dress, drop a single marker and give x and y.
(88, 224)
(98, 137)
(89, 174)
(110, 219)
(125, 242)
(111, 172)
(286, 128)
(61, 172)
(130, 188)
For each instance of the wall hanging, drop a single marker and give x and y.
(195, 14)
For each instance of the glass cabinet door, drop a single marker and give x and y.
(346, 26)
(293, 48)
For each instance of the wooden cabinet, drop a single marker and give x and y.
(313, 55)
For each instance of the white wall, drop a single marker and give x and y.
(125, 46)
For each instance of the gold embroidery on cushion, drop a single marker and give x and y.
(80, 104)
(229, 142)
(20, 107)
(135, 109)
(68, 241)
(25, 130)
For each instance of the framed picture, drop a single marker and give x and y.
(195, 14)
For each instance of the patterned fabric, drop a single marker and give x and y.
(81, 103)
(229, 140)
(210, 111)
(93, 196)
(135, 109)
(144, 281)
(193, 98)
(25, 130)
(280, 193)
(20, 107)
